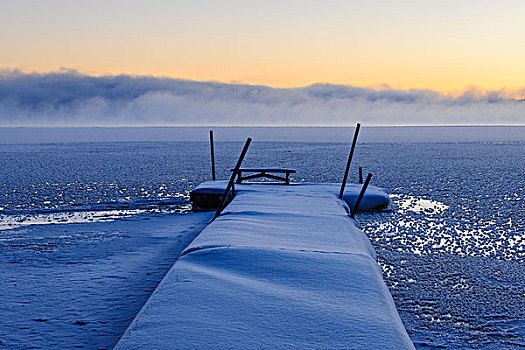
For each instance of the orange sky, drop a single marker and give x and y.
(446, 45)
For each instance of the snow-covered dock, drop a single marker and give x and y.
(281, 267)
(208, 194)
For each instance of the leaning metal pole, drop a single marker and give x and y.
(343, 184)
(232, 179)
(361, 195)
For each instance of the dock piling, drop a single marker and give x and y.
(212, 156)
(232, 179)
(350, 156)
(361, 195)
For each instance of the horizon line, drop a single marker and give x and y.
(252, 126)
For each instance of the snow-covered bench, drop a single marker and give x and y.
(264, 172)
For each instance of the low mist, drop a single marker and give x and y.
(69, 98)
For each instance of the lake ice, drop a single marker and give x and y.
(451, 246)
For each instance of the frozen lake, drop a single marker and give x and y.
(116, 215)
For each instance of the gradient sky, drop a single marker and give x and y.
(441, 45)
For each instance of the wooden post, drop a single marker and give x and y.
(360, 175)
(343, 184)
(361, 195)
(212, 156)
(232, 179)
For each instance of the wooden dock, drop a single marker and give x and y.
(282, 267)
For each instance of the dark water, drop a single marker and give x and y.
(452, 246)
